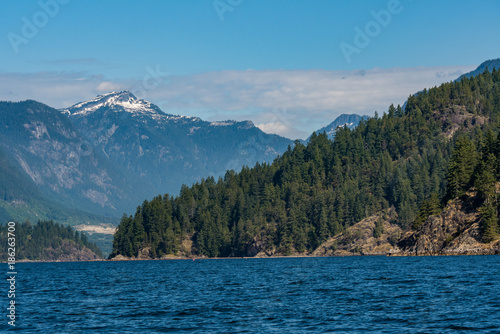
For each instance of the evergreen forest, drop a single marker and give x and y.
(34, 242)
(443, 144)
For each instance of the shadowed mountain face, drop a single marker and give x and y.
(108, 154)
(159, 152)
(47, 147)
(349, 120)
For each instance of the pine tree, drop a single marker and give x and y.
(461, 167)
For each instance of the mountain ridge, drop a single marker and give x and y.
(73, 157)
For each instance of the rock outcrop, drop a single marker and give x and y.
(375, 235)
(455, 231)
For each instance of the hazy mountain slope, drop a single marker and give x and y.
(159, 152)
(62, 164)
(106, 155)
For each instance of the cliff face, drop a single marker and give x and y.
(375, 235)
(455, 231)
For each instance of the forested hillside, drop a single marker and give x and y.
(312, 192)
(48, 241)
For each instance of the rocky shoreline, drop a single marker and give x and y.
(454, 232)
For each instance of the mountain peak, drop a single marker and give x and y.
(349, 120)
(124, 94)
(123, 101)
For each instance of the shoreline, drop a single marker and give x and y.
(497, 252)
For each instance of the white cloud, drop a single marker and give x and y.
(311, 98)
(288, 102)
(108, 86)
(274, 127)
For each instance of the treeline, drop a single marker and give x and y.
(312, 192)
(34, 241)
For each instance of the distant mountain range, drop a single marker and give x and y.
(108, 154)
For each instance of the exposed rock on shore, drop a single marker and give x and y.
(455, 231)
(375, 235)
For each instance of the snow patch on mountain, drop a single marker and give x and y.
(345, 120)
(222, 123)
(124, 101)
(120, 101)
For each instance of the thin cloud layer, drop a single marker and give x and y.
(285, 102)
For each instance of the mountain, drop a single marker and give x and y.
(45, 153)
(489, 64)
(400, 169)
(349, 120)
(106, 155)
(158, 152)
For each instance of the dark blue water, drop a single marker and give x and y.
(292, 295)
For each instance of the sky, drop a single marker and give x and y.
(289, 66)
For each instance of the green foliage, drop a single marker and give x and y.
(489, 215)
(461, 167)
(315, 191)
(33, 241)
(429, 207)
(477, 169)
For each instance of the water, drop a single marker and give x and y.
(287, 295)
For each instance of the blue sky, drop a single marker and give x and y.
(289, 66)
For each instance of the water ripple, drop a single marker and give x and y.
(288, 295)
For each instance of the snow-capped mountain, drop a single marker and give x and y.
(349, 120)
(48, 150)
(159, 151)
(108, 154)
(123, 101)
